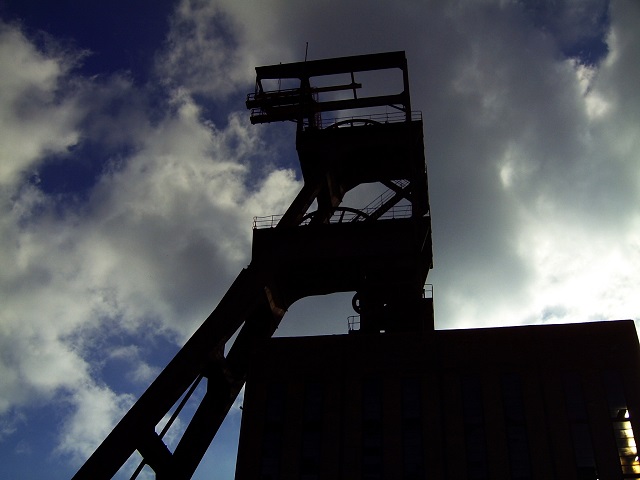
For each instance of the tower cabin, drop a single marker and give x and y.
(346, 138)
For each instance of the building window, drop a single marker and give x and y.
(621, 422)
(580, 431)
(371, 429)
(412, 443)
(313, 409)
(273, 432)
(474, 429)
(517, 441)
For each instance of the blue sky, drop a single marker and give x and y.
(129, 176)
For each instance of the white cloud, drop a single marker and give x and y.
(525, 138)
(135, 369)
(10, 423)
(224, 42)
(33, 119)
(162, 235)
(173, 225)
(567, 193)
(95, 412)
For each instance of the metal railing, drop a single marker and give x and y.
(339, 216)
(427, 291)
(386, 195)
(395, 116)
(354, 322)
(291, 97)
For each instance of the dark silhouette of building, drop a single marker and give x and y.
(394, 398)
(382, 251)
(531, 402)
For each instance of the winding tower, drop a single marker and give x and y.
(320, 245)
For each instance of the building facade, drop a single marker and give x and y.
(530, 402)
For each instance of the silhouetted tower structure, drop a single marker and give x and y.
(319, 246)
(382, 252)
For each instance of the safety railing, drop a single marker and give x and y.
(292, 97)
(427, 291)
(339, 216)
(254, 97)
(395, 116)
(354, 323)
(386, 195)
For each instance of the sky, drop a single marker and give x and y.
(130, 175)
